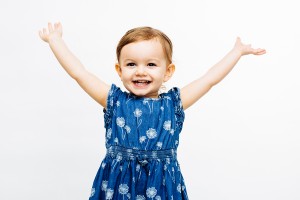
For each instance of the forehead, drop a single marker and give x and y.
(143, 49)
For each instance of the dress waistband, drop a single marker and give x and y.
(131, 154)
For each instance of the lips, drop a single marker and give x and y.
(141, 83)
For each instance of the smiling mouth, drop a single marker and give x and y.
(141, 82)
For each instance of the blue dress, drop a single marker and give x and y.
(142, 136)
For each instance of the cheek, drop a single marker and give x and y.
(125, 75)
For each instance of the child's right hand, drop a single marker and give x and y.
(52, 32)
(246, 49)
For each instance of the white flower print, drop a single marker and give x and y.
(140, 197)
(118, 103)
(151, 192)
(123, 189)
(167, 125)
(103, 165)
(108, 134)
(137, 113)
(165, 167)
(104, 185)
(182, 187)
(159, 145)
(173, 173)
(151, 133)
(157, 197)
(116, 140)
(128, 195)
(138, 167)
(92, 192)
(121, 122)
(168, 160)
(142, 139)
(118, 159)
(179, 187)
(128, 129)
(172, 131)
(109, 194)
(147, 102)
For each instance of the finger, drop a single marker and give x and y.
(262, 51)
(40, 34)
(44, 31)
(259, 51)
(59, 27)
(50, 28)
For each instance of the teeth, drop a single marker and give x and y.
(142, 81)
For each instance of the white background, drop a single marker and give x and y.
(240, 141)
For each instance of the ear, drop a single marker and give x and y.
(118, 69)
(169, 72)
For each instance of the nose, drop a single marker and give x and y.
(140, 71)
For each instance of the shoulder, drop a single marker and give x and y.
(115, 91)
(173, 93)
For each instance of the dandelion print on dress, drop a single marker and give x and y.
(159, 145)
(167, 125)
(104, 185)
(138, 113)
(151, 133)
(123, 189)
(142, 136)
(151, 192)
(121, 124)
(140, 197)
(109, 194)
(157, 197)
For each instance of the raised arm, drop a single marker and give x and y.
(96, 88)
(196, 89)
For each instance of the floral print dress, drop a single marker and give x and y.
(142, 136)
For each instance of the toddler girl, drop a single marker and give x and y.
(142, 124)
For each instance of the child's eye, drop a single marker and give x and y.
(152, 64)
(130, 64)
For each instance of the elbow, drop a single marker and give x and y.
(78, 74)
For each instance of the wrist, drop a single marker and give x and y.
(236, 51)
(54, 39)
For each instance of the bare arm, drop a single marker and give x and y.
(96, 88)
(196, 89)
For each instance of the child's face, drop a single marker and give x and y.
(143, 67)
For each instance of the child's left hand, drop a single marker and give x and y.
(53, 31)
(246, 49)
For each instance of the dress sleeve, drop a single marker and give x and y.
(112, 98)
(179, 112)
